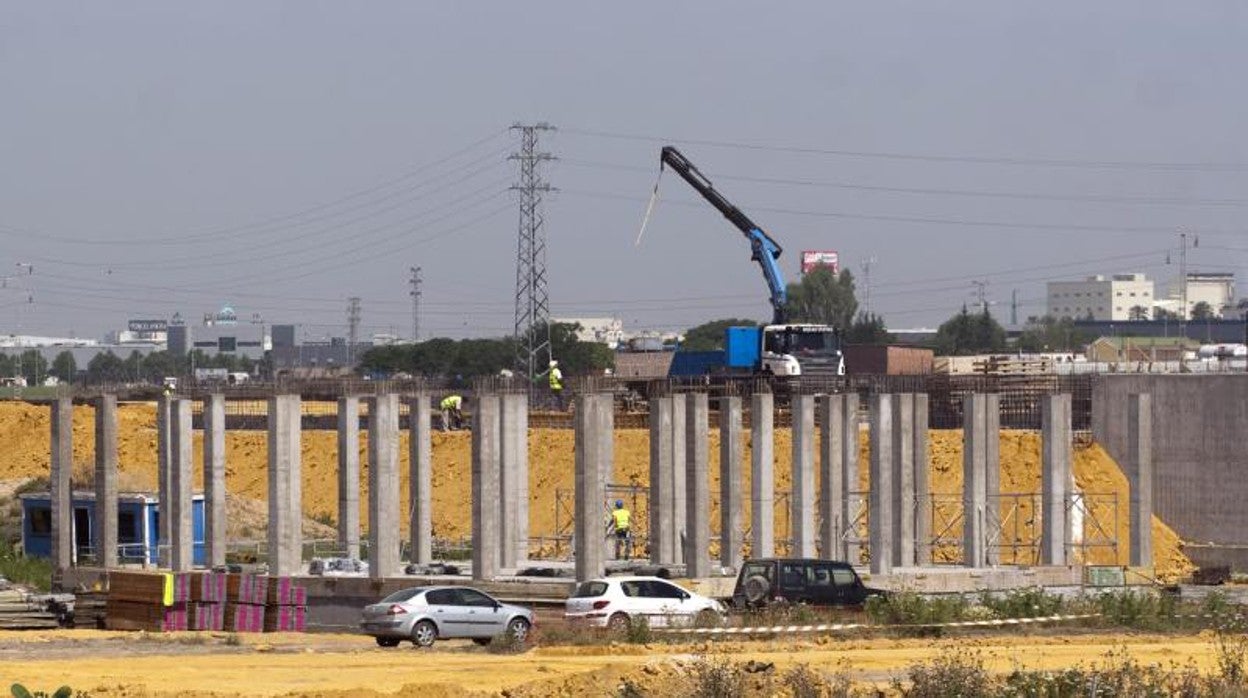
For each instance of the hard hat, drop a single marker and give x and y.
(553, 363)
(619, 504)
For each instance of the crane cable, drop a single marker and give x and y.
(654, 199)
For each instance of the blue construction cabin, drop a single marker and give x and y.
(138, 526)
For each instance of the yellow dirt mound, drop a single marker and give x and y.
(24, 430)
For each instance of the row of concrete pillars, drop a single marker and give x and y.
(679, 499)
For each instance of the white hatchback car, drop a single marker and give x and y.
(612, 602)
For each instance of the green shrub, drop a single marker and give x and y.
(638, 631)
(1141, 610)
(1022, 603)
(910, 609)
(20, 691)
(959, 675)
(20, 569)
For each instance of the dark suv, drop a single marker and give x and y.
(799, 580)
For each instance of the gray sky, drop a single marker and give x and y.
(162, 157)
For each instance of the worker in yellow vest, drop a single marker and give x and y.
(452, 412)
(555, 377)
(621, 529)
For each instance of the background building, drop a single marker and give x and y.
(1102, 298)
(1215, 288)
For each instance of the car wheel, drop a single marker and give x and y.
(618, 623)
(518, 630)
(424, 633)
(387, 641)
(756, 588)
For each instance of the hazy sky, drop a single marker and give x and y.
(160, 156)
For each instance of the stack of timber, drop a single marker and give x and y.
(245, 598)
(287, 607)
(22, 611)
(148, 601)
(208, 600)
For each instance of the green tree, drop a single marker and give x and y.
(64, 367)
(967, 333)
(868, 328)
(1202, 311)
(1160, 313)
(709, 336)
(823, 297)
(107, 368)
(34, 367)
(1047, 333)
(1138, 313)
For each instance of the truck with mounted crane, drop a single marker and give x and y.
(781, 348)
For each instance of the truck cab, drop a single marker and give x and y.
(802, 349)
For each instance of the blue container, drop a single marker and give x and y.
(696, 363)
(743, 347)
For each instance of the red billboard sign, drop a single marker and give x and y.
(815, 258)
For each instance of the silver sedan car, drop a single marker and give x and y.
(426, 614)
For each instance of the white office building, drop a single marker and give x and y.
(1116, 297)
(1215, 288)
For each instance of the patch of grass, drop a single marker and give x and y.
(638, 631)
(910, 609)
(717, 679)
(20, 569)
(1138, 610)
(233, 640)
(506, 643)
(960, 674)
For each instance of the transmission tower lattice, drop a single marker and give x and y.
(353, 327)
(532, 326)
(415, 294)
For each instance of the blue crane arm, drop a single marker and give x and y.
(763, 248)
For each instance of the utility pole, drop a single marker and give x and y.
(1014, 308)
(532, 317)
(415, 294)
(866, 283)
(353, 328)
(981, 293)
(1183, 310)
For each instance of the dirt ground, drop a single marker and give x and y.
(24, 431)
(103, 663)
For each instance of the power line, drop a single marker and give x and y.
(922, 220)
(923, 157)
(1026, 196)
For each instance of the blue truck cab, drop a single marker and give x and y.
(778, 350)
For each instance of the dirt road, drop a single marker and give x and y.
(202, 664)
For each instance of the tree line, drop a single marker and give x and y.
(109, 368)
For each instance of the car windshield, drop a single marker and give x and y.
(800, 341)
(587, 589)
(401, 596)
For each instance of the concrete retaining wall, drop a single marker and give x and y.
(1200, 455)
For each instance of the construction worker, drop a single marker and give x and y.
(620, 528)
(452, 412)
(555, 377)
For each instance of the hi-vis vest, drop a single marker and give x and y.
(620, 517)
(452, 402)
(556, 379)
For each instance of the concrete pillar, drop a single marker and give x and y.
(486, 488)
(285, 486)
(593, 423)
(992, 478)
(697, 486)
(880, 514)
(349, 476)
(61, 486)
(383, 486)
(181, 511)
(214, 480)
(1055, 471)
(514, 482)
(104, 535)
(849, 475)
(677, 477)
(903, 480)
(831, 415)
(762, 476)
(922, 484)
(420, 478)
(731, 477)
(974, 480)
(802, 496)
(163, 463)
(661, 522)
(1140, 477)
